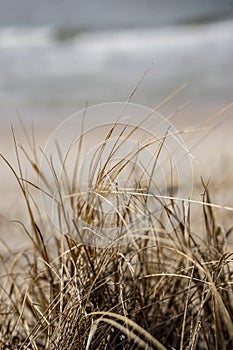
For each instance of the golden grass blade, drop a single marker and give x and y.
(132, 324)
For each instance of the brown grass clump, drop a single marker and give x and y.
(163, 290)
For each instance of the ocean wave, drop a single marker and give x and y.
(143, 41)
(36, 37)
(201, 55)
(117, 40)
(28, 37)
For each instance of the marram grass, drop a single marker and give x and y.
(164, 290)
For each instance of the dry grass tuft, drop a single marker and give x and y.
(161, 291)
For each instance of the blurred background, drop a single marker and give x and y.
(55, 55)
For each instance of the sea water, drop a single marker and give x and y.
(55, 56)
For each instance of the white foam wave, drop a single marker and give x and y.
(36, 63)
(120, 40)
(159, 46)
(167, 38)
(25, 38)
